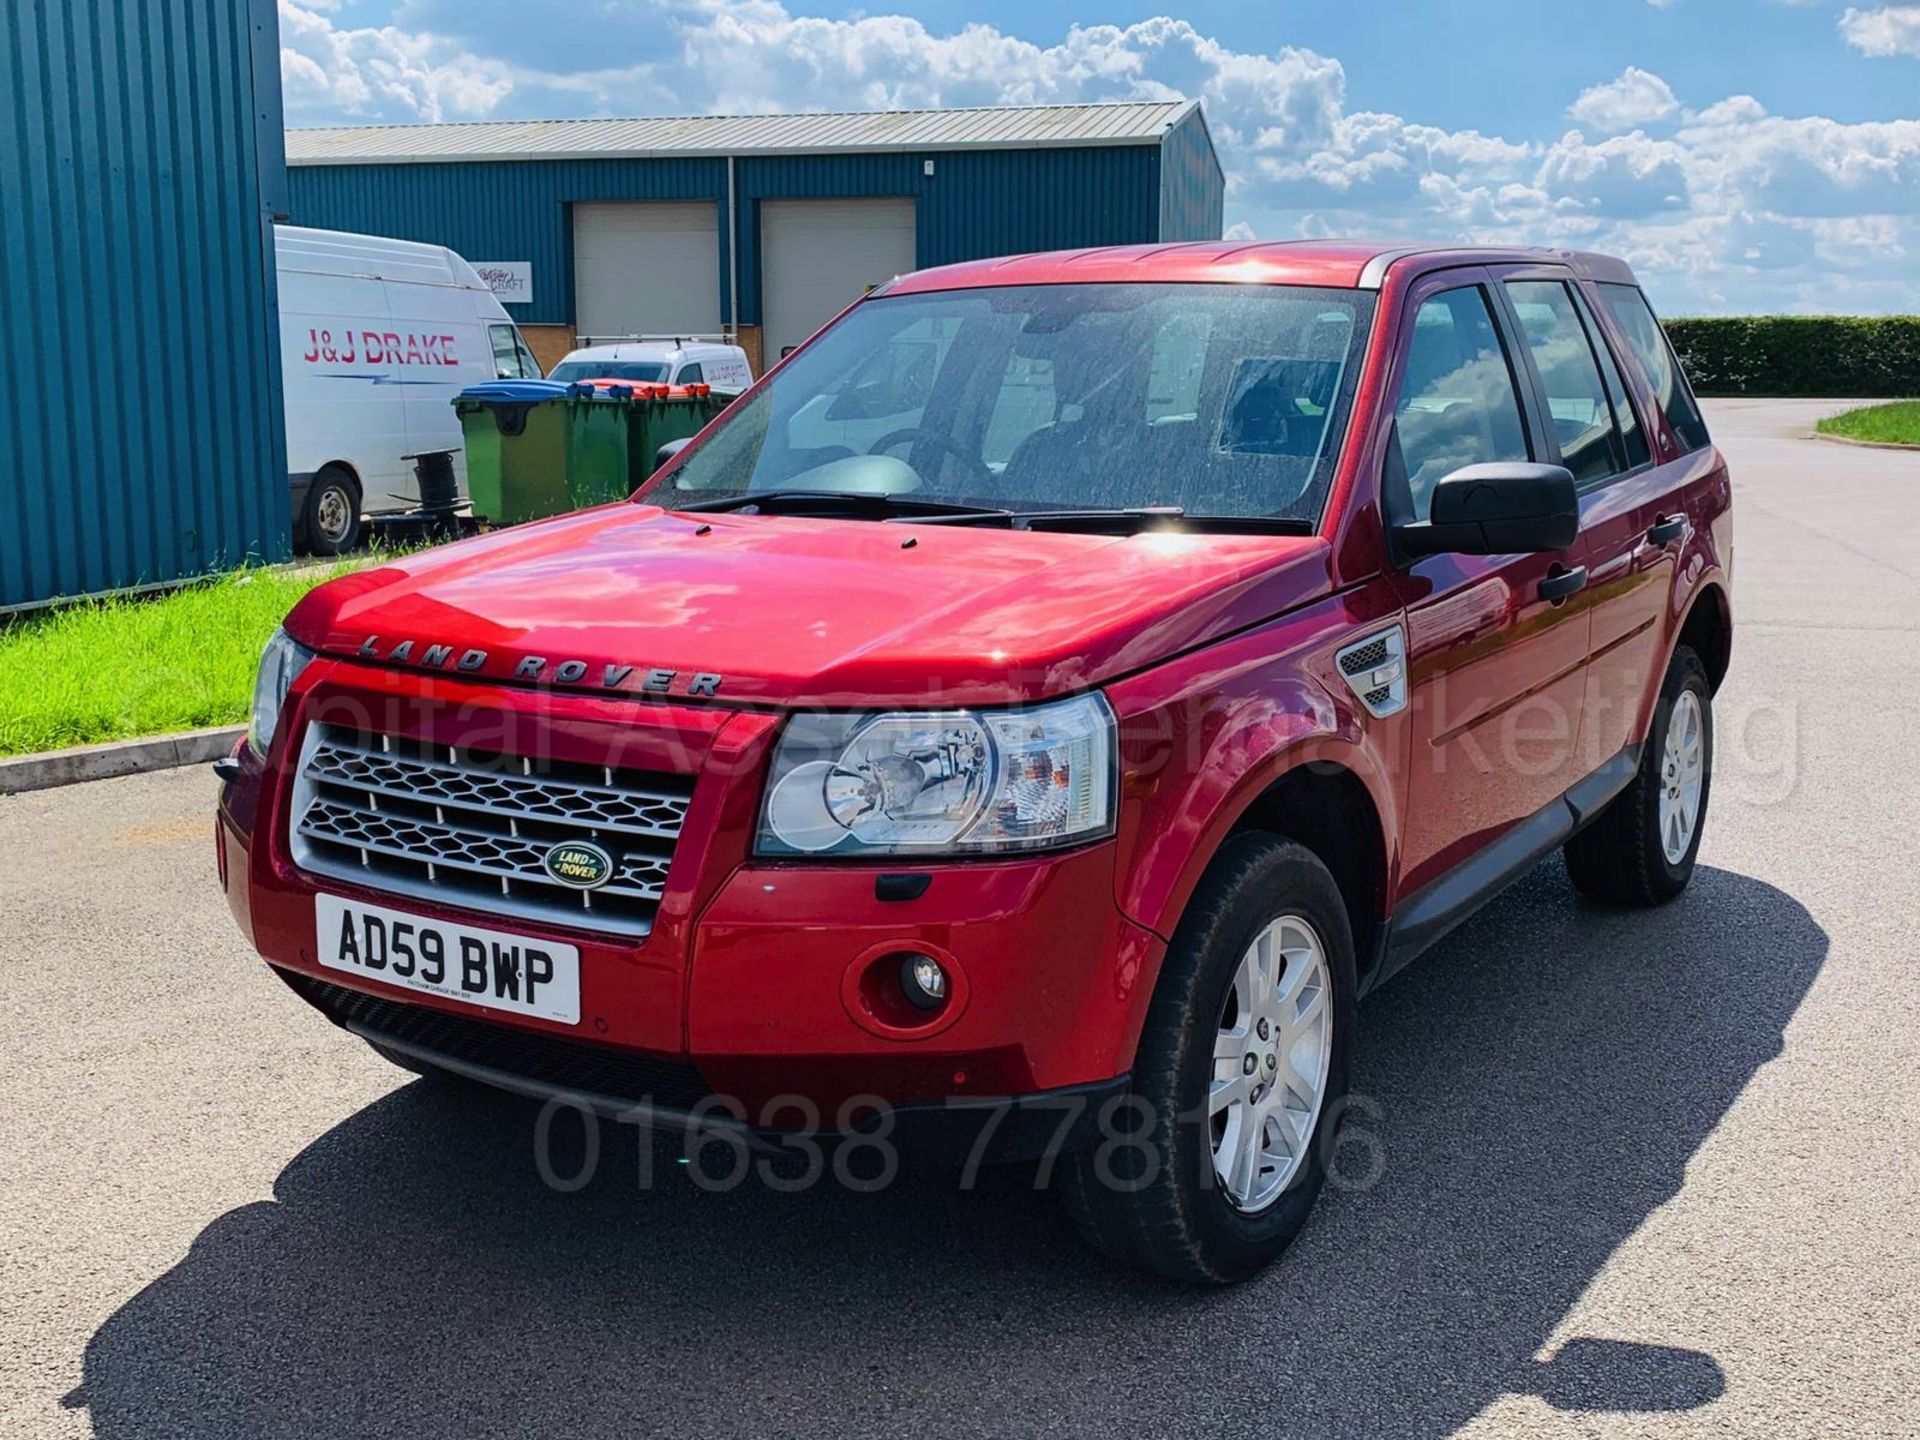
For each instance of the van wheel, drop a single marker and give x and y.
(1209, 1166)
(330, 521)
(1640, 850)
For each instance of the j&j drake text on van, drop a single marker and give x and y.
(1422, 556)
(369, 347)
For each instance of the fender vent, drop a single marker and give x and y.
(1375, 669)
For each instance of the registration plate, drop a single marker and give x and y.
(487, 968)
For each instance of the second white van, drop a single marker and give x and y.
(376, 338)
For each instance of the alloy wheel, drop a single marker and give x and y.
(1270, 1061)
(1682, 776)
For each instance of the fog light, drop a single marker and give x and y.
(923, 982)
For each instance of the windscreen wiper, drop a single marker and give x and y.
(861, 503)
(1124, 520)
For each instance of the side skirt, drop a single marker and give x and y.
(1438, 906)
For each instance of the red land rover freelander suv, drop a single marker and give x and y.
(1026, 722)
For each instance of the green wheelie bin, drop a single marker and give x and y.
(614, 431)
(516, 434)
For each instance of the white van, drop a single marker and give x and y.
(658, 360)
(376, 338)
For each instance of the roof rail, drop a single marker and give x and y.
(725, 338)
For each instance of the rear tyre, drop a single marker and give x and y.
(330, 520)
(1209, 1166)
(1640, 850)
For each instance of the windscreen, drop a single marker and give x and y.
(1219, 399)
(641, 372)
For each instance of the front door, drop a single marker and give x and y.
(1497, 667)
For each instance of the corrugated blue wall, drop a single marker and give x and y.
(507, 210)
(140, 156)
(1193, 191)
(975, 204)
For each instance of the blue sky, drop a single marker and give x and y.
(1745, 154)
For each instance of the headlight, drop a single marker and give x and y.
(280, 662)
(941, 782)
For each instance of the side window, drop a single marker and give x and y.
(691, 375)
(1623, 416)
(507, 354)
(1577, 404)
(1457, 404)
(1656, 357)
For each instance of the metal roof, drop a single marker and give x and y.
(992, 128)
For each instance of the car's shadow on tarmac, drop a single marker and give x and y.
(1537, 1086)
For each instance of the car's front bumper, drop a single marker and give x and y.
(630, 1088)
(750, 986)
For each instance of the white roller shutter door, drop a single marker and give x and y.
(816, 256)
(646, 268)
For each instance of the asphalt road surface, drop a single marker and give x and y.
(1647, 1174)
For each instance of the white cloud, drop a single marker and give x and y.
(1889, 30)
(1727, 205)
(1626, 177)
(379, 72)
(1638, 97)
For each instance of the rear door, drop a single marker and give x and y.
(1497, 669)
(1685, 491)
(1600, 435)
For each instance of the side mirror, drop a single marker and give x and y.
(667, 451)
(1508, 507)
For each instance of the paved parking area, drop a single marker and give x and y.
(1648, 1175)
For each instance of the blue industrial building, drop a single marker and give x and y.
(140, 167)
(764, 225)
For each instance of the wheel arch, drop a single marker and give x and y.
(1326, 807)
(351, 471)
(1329, 792)
(1707, 628)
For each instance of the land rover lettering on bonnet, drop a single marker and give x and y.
(593, 674)
(1133, 660)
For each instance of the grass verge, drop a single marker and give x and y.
(118, 669)
(1896, 423)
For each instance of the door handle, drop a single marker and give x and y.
(1667, 529)
(1559, 584)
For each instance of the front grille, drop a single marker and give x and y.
(473, 828)
(579, 1066)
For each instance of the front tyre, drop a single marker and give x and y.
(1239, 1079)
(330, 523)
(1640, 850)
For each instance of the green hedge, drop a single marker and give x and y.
(1866, 356)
